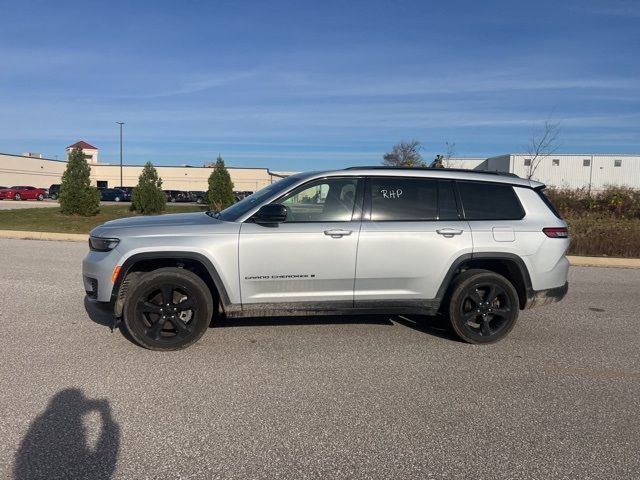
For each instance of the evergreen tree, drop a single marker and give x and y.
(148, 197)
(77, 196)
(220, 193)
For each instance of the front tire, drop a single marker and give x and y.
(40, 197)
(168, 309)
(17, 197)
(483, 306)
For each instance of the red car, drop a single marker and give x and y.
(23, 193)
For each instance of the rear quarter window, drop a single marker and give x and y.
(489, 201)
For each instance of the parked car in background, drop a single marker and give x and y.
(241, 195)
(198, 197)
(114, 195)
(177, 196)
(22, 192)
(54, 191)
(127, 190)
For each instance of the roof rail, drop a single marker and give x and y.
(382, 167)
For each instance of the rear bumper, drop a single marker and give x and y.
(538, 298)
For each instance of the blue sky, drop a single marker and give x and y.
(298, 85)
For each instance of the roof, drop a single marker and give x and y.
(444, 173)
(82, 144)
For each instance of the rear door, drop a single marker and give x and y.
(309, 258)
(411, 234)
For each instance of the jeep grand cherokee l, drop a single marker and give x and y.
(477, 246)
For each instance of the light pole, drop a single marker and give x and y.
(121, 124)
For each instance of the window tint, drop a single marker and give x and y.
(548, 203)
(404, 199)
(489, 201)
(447, 207)
(327, 200)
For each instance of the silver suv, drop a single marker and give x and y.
(474, 246)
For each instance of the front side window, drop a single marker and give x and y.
(404, 199)
(326, 200)
(489, 201)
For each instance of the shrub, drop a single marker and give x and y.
(77, 196)
(619, 202)
(220, 193)
(148, 197)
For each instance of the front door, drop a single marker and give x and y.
(411, 235)
(310, 257)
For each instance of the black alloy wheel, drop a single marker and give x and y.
(168, 309)
(484, 306)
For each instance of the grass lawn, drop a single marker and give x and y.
(51, 220)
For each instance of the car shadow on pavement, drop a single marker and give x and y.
(56, 444)
(437, 326)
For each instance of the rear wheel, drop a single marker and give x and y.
(17, 197)
(168, 309)
(117, 199)
(483, 306)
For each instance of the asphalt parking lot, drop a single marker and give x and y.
(374, 397)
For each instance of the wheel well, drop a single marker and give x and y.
(150, 264)
(502, 266)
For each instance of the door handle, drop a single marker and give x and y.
(449, 232)
(337, 233)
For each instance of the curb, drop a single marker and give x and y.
(80, 237)
(27, 235)
(604, 262)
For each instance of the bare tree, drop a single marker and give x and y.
(542, 144)
(448, 153)
(444, 160)
(405, 154)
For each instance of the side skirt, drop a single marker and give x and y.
(300, 309)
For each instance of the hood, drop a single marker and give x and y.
(144, 224)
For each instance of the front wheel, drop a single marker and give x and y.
(17, 197)
(40, 197)
(483, 306)
(168, 309)
(117, 199)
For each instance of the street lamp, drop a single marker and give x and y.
(121, 124)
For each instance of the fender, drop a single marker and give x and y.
(522, 268)
(118, 292)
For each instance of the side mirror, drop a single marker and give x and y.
(270, 214)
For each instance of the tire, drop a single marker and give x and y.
(199, 201)
(173, 200)
(40, 197)
(117, 199)
(483, 306)
(53, 197)
(17, 197)
(152, 310)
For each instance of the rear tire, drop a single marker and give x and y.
(483, 306)
(17, 197)
(168, 309)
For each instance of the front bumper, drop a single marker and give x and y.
(97, 269)
(538, 298)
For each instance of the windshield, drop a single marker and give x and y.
(235, 211)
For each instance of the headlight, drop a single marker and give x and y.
(99, 244)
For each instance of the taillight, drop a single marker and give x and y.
(556, 232)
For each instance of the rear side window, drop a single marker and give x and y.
(548, 203)
(489, 201)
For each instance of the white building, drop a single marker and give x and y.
(591, 171)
